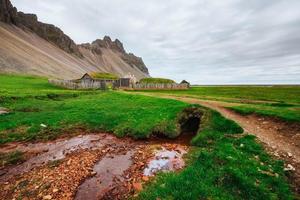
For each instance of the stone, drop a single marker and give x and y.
(55, 190)
(47, 197)
(137, 186)
(69, 162)
(145, 178)
(43, 125)
(8, 13)
(3, 111)
(289, 168)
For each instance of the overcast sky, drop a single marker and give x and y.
(203, 41)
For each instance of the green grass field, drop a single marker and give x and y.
(33, 102)
(278, 101)
(223, 164)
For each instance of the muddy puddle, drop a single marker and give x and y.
(53, 151)
(122, 166)
(165, 160)
(106, 171)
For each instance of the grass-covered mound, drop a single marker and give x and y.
(34, 103)
(223, 165)
(156, 80)
(106, 76)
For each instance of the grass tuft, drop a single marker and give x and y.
(11, 158)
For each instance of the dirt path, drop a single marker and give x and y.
(279, 138)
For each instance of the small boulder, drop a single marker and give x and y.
(3, 111)
(47, 197)
(137, 186)
(55, 190)
(290, 168)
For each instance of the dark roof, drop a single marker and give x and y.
(85, 75)
(184, 81)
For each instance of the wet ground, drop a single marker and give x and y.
(96, 166)
(165, 160)
(52, 151)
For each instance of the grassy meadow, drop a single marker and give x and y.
(40, 111)
(276, 101)
(223, 164)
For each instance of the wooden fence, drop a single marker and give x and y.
(159, 86)
(118, 84)
(69, 84)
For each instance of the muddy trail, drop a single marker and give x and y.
(280, 139)
(94, 166)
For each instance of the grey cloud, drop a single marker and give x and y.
(204, 41)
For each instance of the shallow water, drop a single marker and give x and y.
(52, 151)
(107, 169)
(165, 160)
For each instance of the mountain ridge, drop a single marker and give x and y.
(103, 55)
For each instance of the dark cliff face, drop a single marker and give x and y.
(133, 60)
(48, 32)
(9, 14)
(116, 46)
(107, 43)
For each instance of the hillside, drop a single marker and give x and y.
(32, 47)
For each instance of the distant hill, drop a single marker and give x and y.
(32, 47)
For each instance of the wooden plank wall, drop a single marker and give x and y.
(80, 85)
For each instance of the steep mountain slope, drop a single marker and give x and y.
(32, 47)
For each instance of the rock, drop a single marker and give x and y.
(116, 46)
(289, 168)
(9, 14)
(3, 111)
(43, 125)
(290, 154)
(137, 186)
(145, 178)
(93, 173)
(47, 197)
(84, 52)
(69, 162)
(55, 190)
(135, 61)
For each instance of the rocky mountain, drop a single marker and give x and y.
(32, 47)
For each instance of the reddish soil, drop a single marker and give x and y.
(280, 138)
(95, 166)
